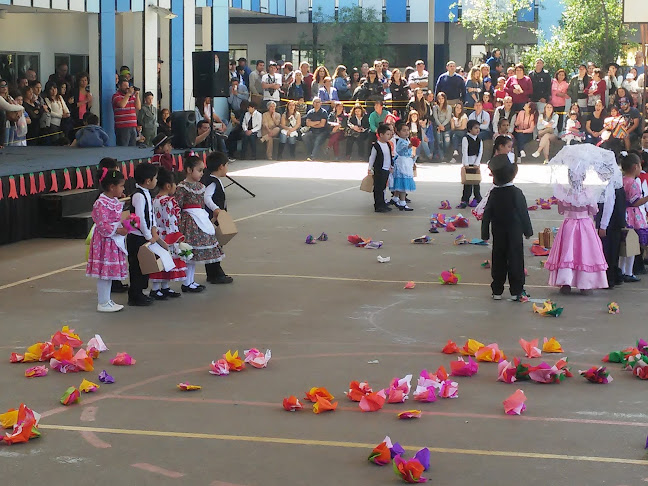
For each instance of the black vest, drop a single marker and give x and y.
(147, 211)
(219, 194)
(473, 146)
(380, 157)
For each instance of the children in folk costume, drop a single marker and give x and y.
(401, 180)
(167, 213)
(380, 166)
(507, 217)
(107, 255)
(573, 130)
(503, 145)
(195, 224)
(162, 156)
(576, 258)
(214, 198)
(472, 149)
(635, 219)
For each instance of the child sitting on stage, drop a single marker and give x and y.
(162, 152)
(472, 149)
(217, 165)
(107, 255)
(507, 215)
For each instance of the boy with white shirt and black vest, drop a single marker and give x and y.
(381, 163)
(472, 149)
(217, 165)
(142, 206)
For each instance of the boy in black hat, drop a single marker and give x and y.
(162, 152)
(506, 212)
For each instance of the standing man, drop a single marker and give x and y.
(238, 94)
(255, 80)
(541, 82)
(271, 84)
(577, 86)
(126, 103)
(639, 63)
(419, 78)
(452, 84)
(307, 80)
(242, 62)
(495, 64)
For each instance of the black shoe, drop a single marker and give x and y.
(407, 199)
(118, 288)
(463, 205)
(392, 202)
(193, 290)
(434, 230)
(140, 301)
(157, 295)
(405, 208)
(382, 210)
(149, 298)
(631, 279)
(223, 279)
(171, 293)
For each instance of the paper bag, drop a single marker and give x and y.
(367, 184)
(470, 175)
(226, 229)
(149, 262)
(630, 246)
(414, 172)
(546, 238)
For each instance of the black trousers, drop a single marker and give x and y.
(470, 189)
(611, 250)
(380, 182)
(360, 141)
(138, 282)
(507, 260)
(213, 271)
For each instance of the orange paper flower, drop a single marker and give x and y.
(66, 336)
(490, 354)
(373, 402)
(381, 455)
(233, 361)
(552, 346)
(450, 348)
(316, 392)
(471, 347)
(292, 404)
(358, 390)
(531, 348)
(323, 405)
(410, 414)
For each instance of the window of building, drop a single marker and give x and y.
(306, 55)
(476, 54)
(237, 51)
(77, 63)
(14, 64)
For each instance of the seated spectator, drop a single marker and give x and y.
(357, 131)
(377, 116)
(238, 94)
(270, 126)
(458, 125)
(573, 129)
(594, 124)
(337, 121)
(484, 120)
(500, 89)
(316, 122)
(503, 131)
(547, 131)
(202, 135)
(251, 124)
(235, 130)
(525, 124)
(633, 122)
(327, 93)
(164, 122)
(487, 103)
(147, 119)
(91, 134)
(290, 125)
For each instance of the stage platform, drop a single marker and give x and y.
(48, 191)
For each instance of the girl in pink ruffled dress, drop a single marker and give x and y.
(576, 258)
(631, 167)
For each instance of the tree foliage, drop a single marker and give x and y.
(589, 30)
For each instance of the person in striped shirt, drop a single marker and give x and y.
(126, 103)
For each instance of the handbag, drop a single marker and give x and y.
(45, 119)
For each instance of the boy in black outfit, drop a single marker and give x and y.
(609, 221)
(141, 205)
(217, 165)
(506, 211)
(381, 163)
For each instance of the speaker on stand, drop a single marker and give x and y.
(183, 127)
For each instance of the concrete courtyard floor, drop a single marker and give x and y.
(331, 314)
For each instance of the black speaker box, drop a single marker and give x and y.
(183, 126)
(211, 74)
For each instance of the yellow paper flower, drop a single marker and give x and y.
(9, 419)
(88, 387)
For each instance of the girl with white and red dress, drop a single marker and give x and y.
(167, 214)
(107, 254)
(631, 167)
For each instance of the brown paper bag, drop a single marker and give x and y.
(630, 247)
(149, 262)
(470, 176)
(367, 184)
(226, 229)
(546, 238)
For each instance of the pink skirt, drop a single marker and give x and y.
(576, 257)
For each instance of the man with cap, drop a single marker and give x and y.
(162, 152)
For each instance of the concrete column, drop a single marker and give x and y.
(189, 47)
(128, 44)
(93, 55)
(220, 42)
(165, 77)
(146, 24)
(177, 56)
(206, 29)
(430, 39)
(107, 65)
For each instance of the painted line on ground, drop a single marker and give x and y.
(338, 444)
(145, 466)
(42, 275)
(92, 439)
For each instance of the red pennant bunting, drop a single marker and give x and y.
(41, 182)
(1, 194)
(66, 176)
(180, 166)
(205, 157)
(32, 184)
(79, 179)
(54, 186)
(12, 188)
(23, 189)
(132, 169)
(124, 170)
(89, 177)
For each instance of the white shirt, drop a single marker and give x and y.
(483, 118)
(268, 79)
(386, 156)
(466, 159)
(209, 193)
(139, 203)
(415, 77)
(256, 121)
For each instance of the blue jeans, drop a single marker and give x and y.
(314, 140)
(443, 141)
(284, 138)
(592, 140)
(485, 135)
(522, 140)
(126, 137)
(457, 137)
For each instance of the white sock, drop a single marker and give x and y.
(103, 291)
(402, 203)
(626, 269)
(165, 285)
(155, 286)
(191, 273)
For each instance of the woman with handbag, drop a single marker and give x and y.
(357, 130)
(547, 131)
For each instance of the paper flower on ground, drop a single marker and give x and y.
(187, 387)
(357, 240)
(642, 346)
(531, 349)
(597, 374)
(514, 405)
(97, 343)
(445, 205)
(233, 361)
(82, 361)
(256, 358)
(422, 240)
(450, 348)
(410, 285)
(450, 227)
(548, 309)
(88, 387)
(532, 208)
(471, 347)
(398, 390)
(314, 393)
(620, 356)
(409, 470)
(409, 414)
(122, 359)
(382, 259)
(440, 375)
(373, 245)
(544, 373)
(323, 405)
(552, 346)
(461, 222)
(358, 390)
(104, 377)
(462, 368)
(70, 396)
(9, 418)
(449, 389)
(25, 426)
(449, 277)
(640, 366)
(310, 240)
(478, 242)
(373, 402)
(292, 404)
(613, 308)
(460, 240)
(39, 352)
(219, 368)
(16, 358)
(538, 250)
(66, 336)
(490, 353)
(322, 237)
(425, 394)
(381, 455)
(36, 371)
(486, 264)
(506, 371)
(64, 361)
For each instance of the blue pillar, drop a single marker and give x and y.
(176, 52)
(220, 42)
(107, 66)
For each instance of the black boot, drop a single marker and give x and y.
(280, 150)
(291, 147)
(218, 276)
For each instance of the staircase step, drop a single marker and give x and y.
(66, 203)
(75, 226)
